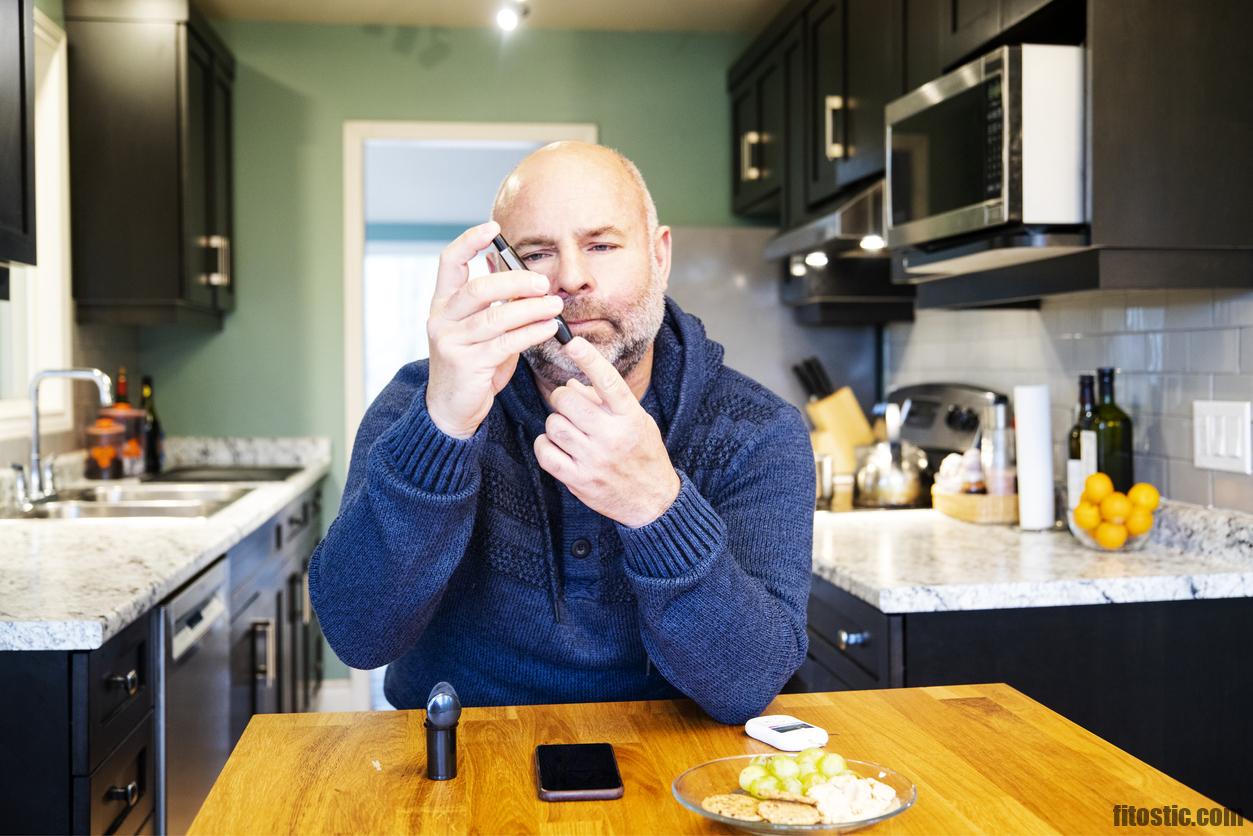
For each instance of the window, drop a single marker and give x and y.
(35, 323)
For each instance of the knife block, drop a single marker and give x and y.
(840, 428)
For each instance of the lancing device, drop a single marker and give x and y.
(514, 263)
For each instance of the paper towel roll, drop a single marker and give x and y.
(1034, 432)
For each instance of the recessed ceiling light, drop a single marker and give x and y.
(796, 266)
(510, 15)
(873, 242)
(817, 259)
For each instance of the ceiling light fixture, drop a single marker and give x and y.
(873, 242)
(817, 259)
(510, 15)
(796, 266)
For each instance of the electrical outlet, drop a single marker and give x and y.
(1222, 436)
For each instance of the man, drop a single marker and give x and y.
(619, 518)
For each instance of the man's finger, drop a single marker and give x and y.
(553, 459)
(479, 293)
(582, 388)
(455, 259)
(613, 390)
(579, 409)
(562, 432)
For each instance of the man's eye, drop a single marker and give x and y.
(531, 258)
(603, 248)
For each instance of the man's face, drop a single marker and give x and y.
(578, 218)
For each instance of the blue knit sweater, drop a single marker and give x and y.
(460, 559)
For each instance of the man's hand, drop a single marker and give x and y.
(602, 445)
(475, 344)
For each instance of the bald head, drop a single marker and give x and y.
(583, 164)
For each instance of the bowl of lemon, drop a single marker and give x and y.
(1111, 521)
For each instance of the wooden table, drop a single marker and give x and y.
(985, 758)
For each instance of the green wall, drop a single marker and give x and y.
(53, 9)
(276, 367)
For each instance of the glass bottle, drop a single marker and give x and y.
(1081, 454)
(1113, 435)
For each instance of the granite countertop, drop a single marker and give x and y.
(73, 584)
(923, 561)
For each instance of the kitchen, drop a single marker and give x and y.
(197, 193)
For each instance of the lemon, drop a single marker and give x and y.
(1144, 495)
(1110, 535)
(1087, 516)
(1139, 521)
(1115, 508)
(1097, 487)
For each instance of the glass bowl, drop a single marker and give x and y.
(1133, 544)
(722, 776)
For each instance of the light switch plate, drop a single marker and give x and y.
(1222, 435)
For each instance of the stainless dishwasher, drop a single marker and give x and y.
(193, 704)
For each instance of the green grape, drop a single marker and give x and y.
(764, 786)
(784, 767)
(809, 756)
(759, 760)
(749, 774)
(793, 785)
(807, 767)
(831, 764)
(813, 779)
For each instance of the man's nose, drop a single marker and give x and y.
(573, 274)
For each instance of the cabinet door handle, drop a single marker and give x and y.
(221, 277)
(844, 639)
(129, 682)
(307, 609)
(265, 671)
(831, 106)
(128, 793)
(748, 171)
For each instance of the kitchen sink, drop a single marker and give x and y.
(217, 494)
(105, 501)
(223, 474)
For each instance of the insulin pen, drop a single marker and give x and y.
(514, 263)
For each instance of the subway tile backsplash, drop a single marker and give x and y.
(1171, 348)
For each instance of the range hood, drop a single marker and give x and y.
(856, 224)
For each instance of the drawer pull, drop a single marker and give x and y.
(128, 793)
(844, 639)
(128, 682)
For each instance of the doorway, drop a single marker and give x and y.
(410, 188)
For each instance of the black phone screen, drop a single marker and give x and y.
(572, 767)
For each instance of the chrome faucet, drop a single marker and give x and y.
(38, 482)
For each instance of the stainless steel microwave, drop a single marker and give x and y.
(996, 142)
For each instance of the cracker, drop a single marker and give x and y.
(733, 806)
(780, 795)
(788, 812)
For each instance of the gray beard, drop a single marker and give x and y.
(634, 334)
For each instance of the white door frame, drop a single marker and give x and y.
(356, 134)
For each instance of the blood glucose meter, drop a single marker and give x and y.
(785, 732)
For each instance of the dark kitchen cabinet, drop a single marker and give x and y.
(967, 25)
(1164, 681)
(17, 136)
(150, 88)
(758, 132)
(855, 67)
(79, 736)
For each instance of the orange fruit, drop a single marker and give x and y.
(1087, 516)
(1115, 508)
(1139, 521)
(1144, 495)
(1110, 535)
(1097, 487)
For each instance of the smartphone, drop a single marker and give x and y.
(577, 772)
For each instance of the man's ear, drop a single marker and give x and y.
(661, 254)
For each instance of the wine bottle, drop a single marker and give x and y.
(1113, 435)
(123, 396)
(1081, 455)
(154, 436)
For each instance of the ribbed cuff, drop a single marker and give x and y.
(677, 541)
(432, 460)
